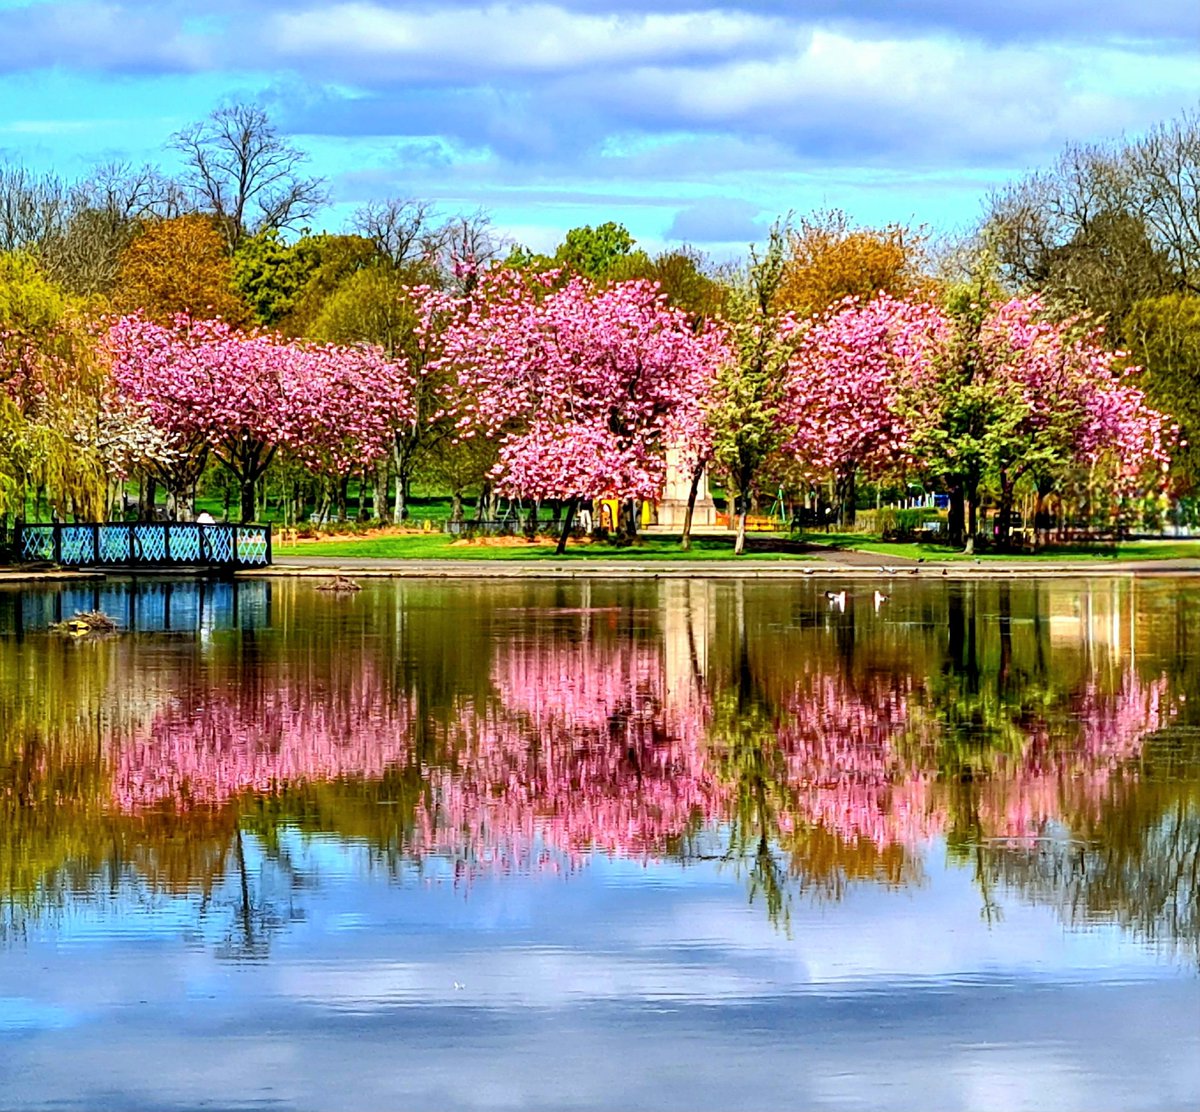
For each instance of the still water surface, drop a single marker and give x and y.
(589, 845)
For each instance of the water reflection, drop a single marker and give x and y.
(146, 605)
(1041, 733)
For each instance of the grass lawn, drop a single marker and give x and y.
(421, 507)
(441, 546)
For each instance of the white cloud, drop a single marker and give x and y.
(517, 39)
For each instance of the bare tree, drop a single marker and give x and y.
(1106, 226)
(1166, 168)
(403, 231)
(103, 214)
(242, 170)
(468, 244)
(32, 209)
(1081, 233)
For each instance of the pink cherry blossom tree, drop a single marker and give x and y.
(351, 404)
(1065, 400)
(842, 384)
(245, 396)
(583, 386)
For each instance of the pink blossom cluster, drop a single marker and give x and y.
(857, 365)
(584, 387)
(211, 386)
(844, 381)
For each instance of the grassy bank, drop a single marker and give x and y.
(440, 546)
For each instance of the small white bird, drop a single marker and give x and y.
(837, 598)
(459, 986)
(888, 571)
(880, 599)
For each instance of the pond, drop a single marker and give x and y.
(582, 845)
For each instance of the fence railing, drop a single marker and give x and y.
(157, 544)
(500, 527)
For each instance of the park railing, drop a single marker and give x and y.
(158, 544)
(489, 527)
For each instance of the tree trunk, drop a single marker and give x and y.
(182, 508)
(847, 496)
(401, 462)
(530, 525)
(456, 506)
(1004, 511)
(248, 492)
(627, 526)
(739, 545)
(956, 518)
(379, 506)
(565, 532)
(342, 494)
(399, 507)
(972, 496)
(485, 494)
(685, 541)
(149, 494)
(364, 482)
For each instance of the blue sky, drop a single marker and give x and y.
(685, 119)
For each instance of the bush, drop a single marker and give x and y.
(902, 525)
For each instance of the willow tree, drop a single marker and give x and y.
(51, 389)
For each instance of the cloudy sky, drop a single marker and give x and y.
(685, 119)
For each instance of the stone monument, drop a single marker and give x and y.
(672, 507)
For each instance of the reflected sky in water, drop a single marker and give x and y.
(677, 844)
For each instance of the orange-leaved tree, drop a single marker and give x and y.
(829, 259)
(179, 265)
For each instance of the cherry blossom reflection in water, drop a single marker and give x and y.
(668, 845)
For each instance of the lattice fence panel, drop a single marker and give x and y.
(150, 542)
(77, 545)
(37, 542)
(185, 544)
(251, 545)
(219, 545)
(114, 545)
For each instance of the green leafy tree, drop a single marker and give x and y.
(747, 399)
(380, 305)
(683, 275)
(288, 284)
(51, 395)
(593, 252)
(1164, 337)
